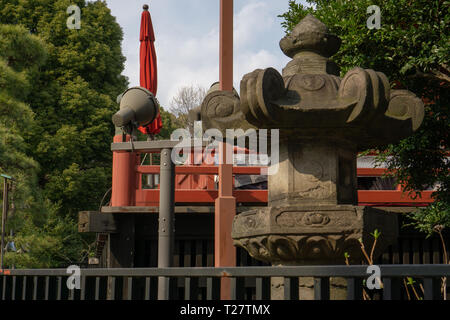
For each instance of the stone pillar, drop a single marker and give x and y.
(314, 171)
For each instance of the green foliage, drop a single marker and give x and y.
(15, 115)
(58, 89)
(430, 219)
(376, 234)
(413, 34)
(412, 48)
(52, 244)
(43, 239)
(73, 98)
(169, 124)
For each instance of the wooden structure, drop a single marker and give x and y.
(133, 228)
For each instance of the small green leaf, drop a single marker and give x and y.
(376, 234)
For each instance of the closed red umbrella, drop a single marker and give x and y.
(148, 69)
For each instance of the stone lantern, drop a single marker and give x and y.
(312, 216)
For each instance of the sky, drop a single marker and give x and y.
(187, 40)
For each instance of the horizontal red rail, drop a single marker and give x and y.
(363, 172)
(150, 197)
(392, 197)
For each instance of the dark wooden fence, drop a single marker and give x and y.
(194, 244)
(249, 283)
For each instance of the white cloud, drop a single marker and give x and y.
(187, 40)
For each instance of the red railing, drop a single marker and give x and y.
(204, 193)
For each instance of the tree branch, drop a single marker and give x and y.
(436, 75)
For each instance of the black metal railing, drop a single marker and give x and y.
(249, 283)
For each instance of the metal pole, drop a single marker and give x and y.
(4, 213)
(166, 219)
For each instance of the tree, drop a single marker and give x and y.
(73, 98)
(169, 124)
(187, 99)
(412, 48)
(20, 53)
(42, 238)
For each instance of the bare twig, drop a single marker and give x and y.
(439, 229)
(435, 75)
(373, 249)
(365, 295)
(406, 287)
(363, 249)
(415, 292)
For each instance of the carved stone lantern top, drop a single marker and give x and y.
(313, 215)
(310, 99)
(310, 34)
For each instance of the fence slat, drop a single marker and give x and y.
(97, 288)
(191, 288)
(187, 253)
(59, 285)
(210, 253)
(176, 254)
(391, 288)
(432, 288)
(212, 288)
(13, 289)
(406, 251)
(416, 251)
(199, 253)
(354, 288)
(3, 287)
(237, 288)
(47, 283)
(262, 288)
(436, 251)
(321, 288)
(147, 288)
(24, 288)
(35, 286)
(72, 294)
(291, 288)
(112, 288)
(83, 288)
(129, 288)
(427, 251)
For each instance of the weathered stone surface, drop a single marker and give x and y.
(222, 110)
(312, 234)
(312, 169)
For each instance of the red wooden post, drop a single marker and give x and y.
(225, 204)
(123, 177)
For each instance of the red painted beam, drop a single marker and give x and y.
(146, 196)
(361, 172)
(149, 197)
(391, 196)
(199, 170)
(370, 172)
